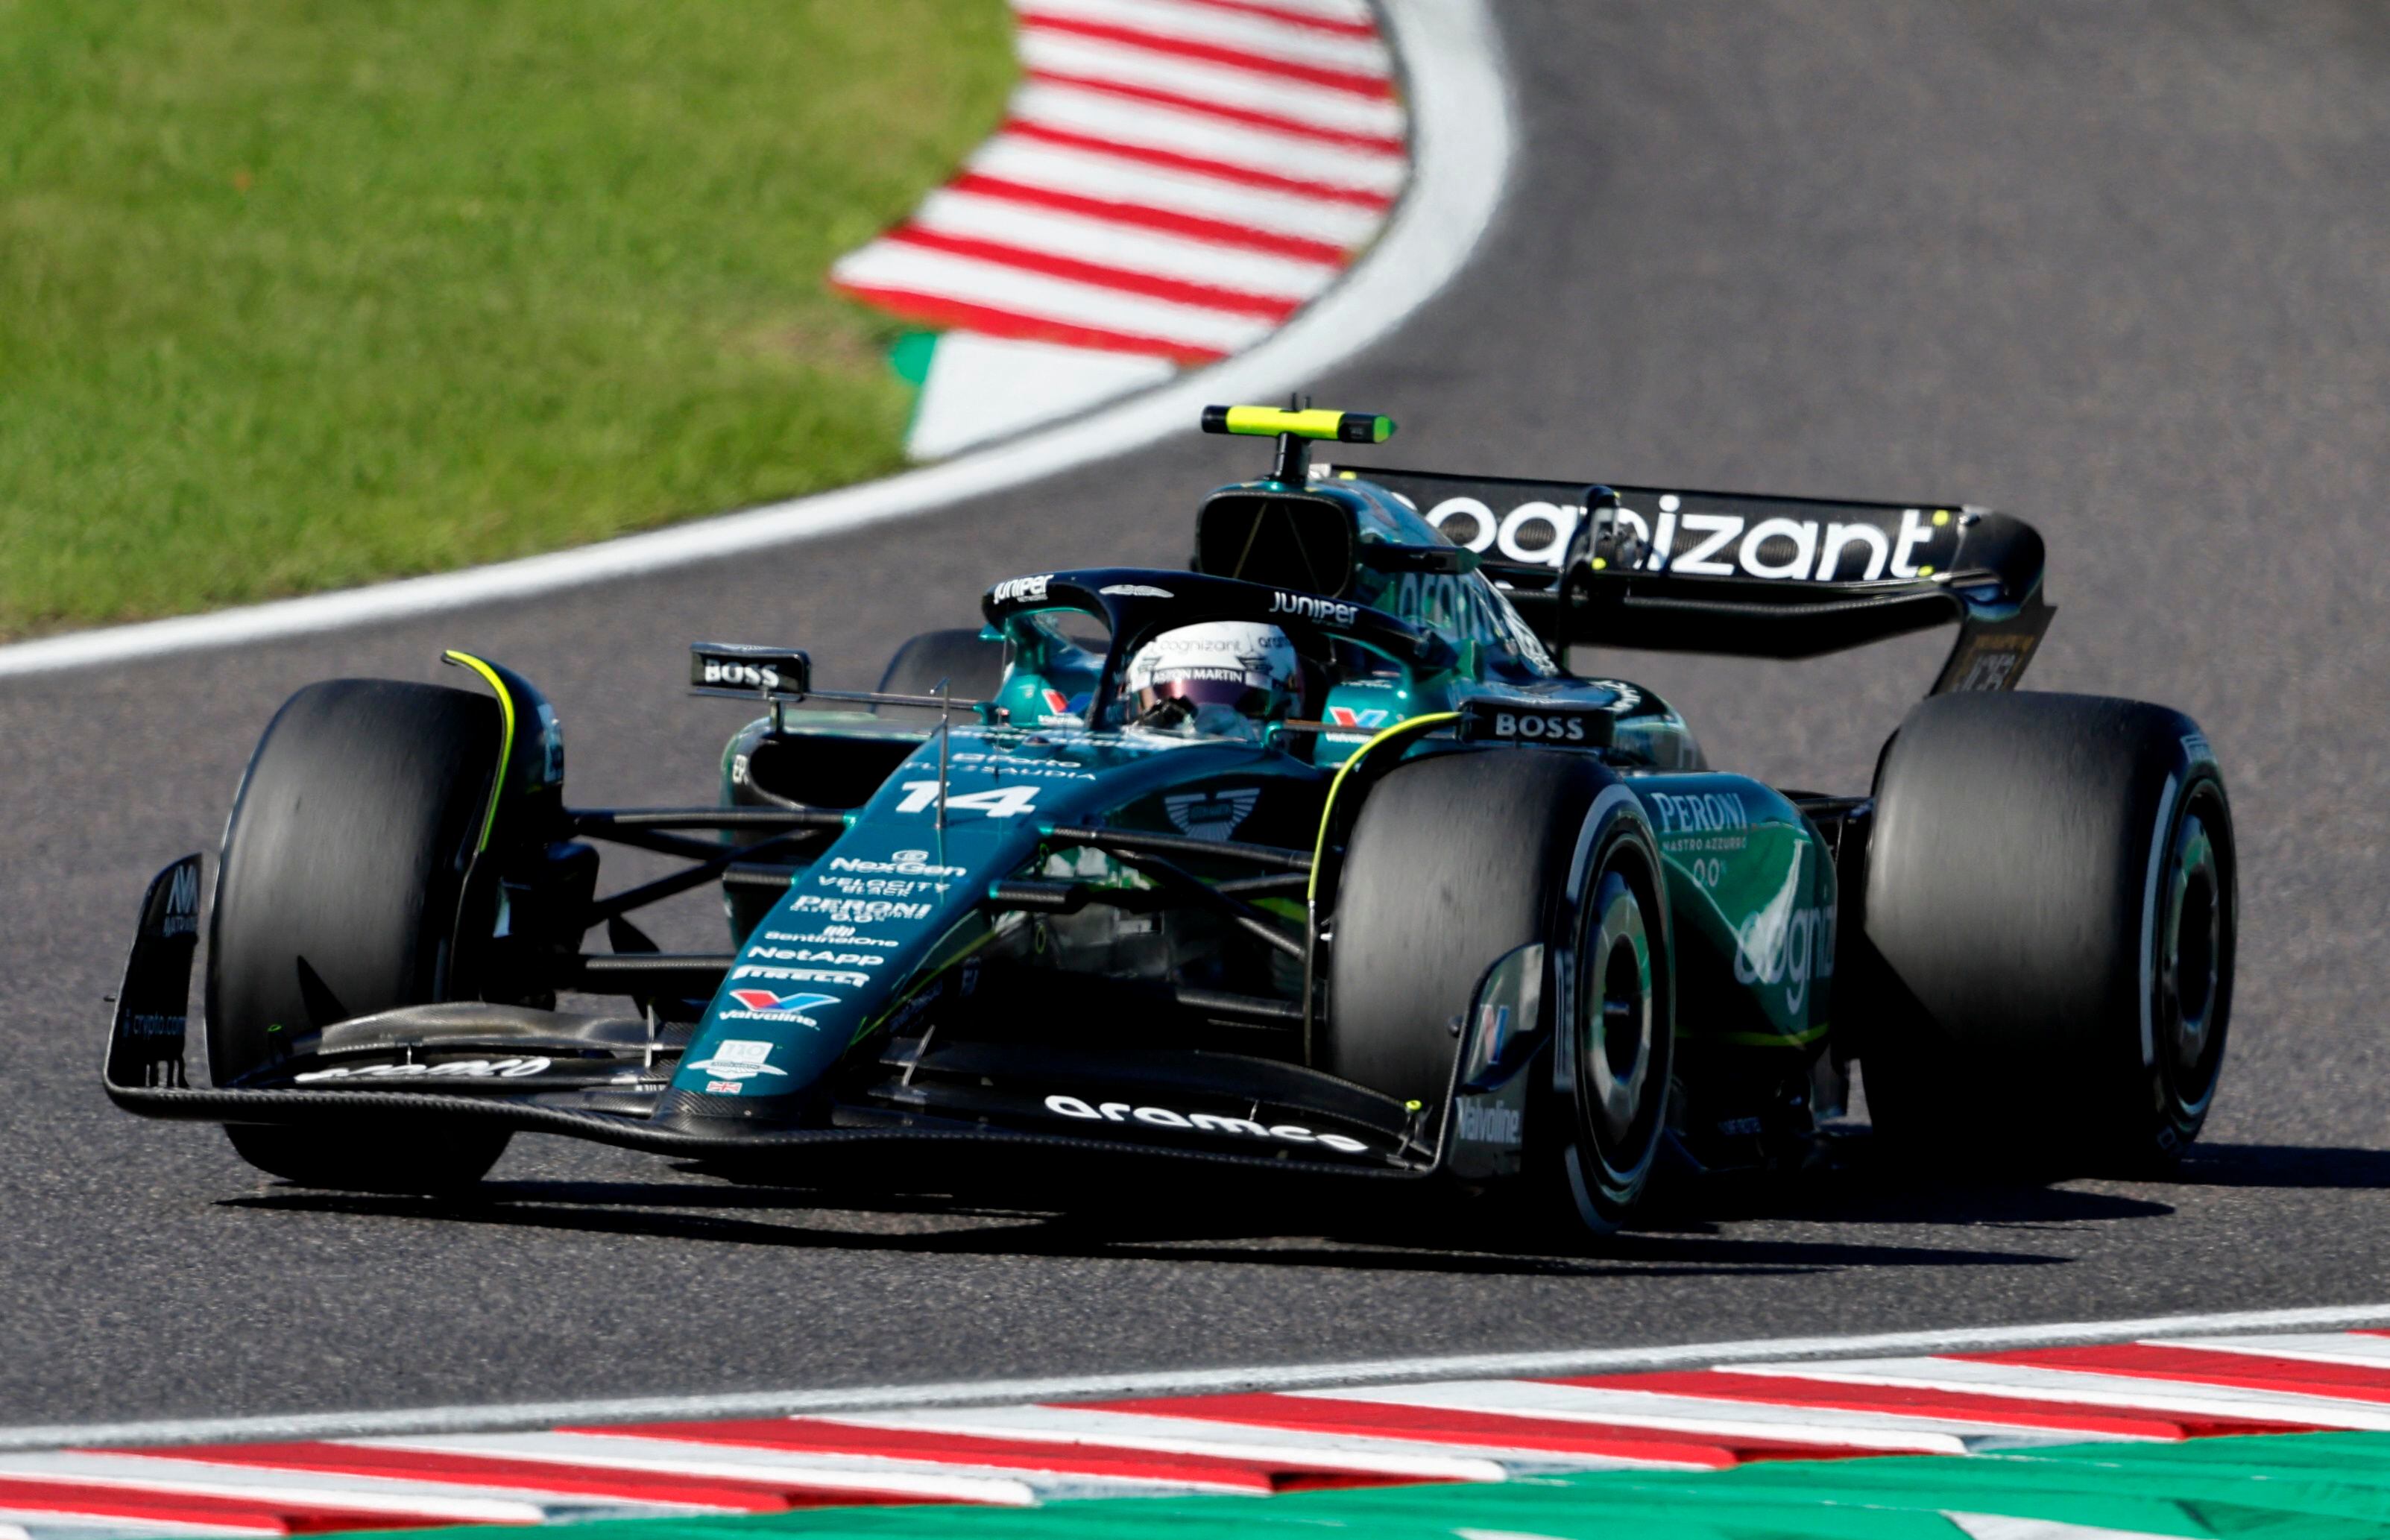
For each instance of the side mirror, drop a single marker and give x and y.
(737, 669)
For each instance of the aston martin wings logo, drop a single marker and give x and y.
(1212, 815)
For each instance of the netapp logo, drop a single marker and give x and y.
(743, 676)
(1201, 1122)
(1023, 589)
(1306, 607)
(812, 955)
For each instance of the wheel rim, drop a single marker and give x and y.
(2194, 951)
(1617, 1031)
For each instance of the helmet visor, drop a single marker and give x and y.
(1197, 687)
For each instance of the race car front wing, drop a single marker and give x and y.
(603, 1079)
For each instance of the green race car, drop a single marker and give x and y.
(1313, 858)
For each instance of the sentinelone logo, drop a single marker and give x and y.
(1201, 1122)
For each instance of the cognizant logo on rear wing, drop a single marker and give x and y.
(1742, 573)
(1695, 534)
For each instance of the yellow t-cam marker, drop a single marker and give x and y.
(1270, 421)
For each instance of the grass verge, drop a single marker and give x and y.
(296, 294)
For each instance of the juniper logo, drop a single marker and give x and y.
(1307, 606)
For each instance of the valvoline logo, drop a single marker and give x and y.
(765, 999)
(1345, 717)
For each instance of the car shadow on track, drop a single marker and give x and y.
(1378, 1237)
(2283, 1166)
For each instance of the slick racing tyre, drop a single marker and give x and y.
(2050, 908)
(1457, 860)
(336, 896)
(972, 667)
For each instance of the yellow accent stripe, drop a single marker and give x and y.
(1319, 847)
(505, 737)
(867, 1027)
(1319, 423)
(1770, 1039)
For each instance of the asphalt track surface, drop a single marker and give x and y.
(2124, 270)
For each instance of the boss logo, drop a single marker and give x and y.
(1564, 729)
(1022, 590)
(718, 665)
(1507, 721)
(720, 671)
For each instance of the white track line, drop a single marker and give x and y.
(888, 264)
(1091, 174)
(1219, 27)
(1149, 125)
(2307, 1348)
(1457, 1460)
(494, 1504)
(1462, 142)
(958, 1479)
(1888, 1429)
(1093, 58)
(37, 1523)
(1127, 246)
(1291, 1377)
(2090, 1388)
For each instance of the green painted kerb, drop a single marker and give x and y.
(2279, 1486)
(911, 356)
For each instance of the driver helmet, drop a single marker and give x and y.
(1222, 678)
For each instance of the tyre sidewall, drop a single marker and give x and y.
(344, 861)
(2012, 910)
(1602, 1186)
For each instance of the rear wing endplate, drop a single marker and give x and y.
(1670, 570)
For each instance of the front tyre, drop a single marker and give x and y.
(336, 896)
(1458, 860)
(1616, 1058)
(2051, 909)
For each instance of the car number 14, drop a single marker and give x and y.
(999, 801)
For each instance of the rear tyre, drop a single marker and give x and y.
(336, 896)
(972, 667)
(2050, 907)
(1455, 862)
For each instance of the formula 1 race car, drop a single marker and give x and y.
(1374, 888)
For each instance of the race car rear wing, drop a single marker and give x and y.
(1675, 570)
